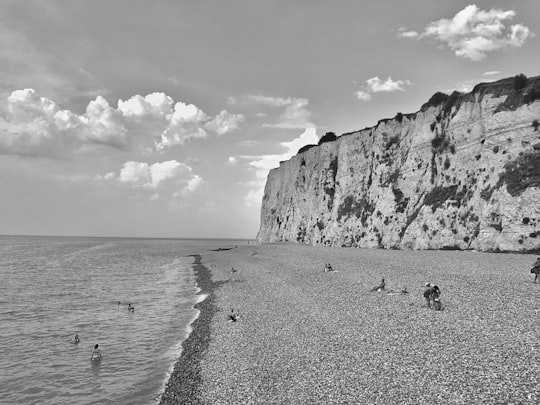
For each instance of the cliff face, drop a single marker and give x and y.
(461, 173)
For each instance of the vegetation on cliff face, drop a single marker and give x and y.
(451, 186)
(360, 208)
(521, 173)
(328, 137)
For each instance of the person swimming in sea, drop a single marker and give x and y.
(96, 353)
(76, 339)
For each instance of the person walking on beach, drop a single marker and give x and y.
(96, 353)
(536, 270)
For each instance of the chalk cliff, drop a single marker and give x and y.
(461, 173)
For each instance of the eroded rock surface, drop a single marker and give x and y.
(461, 173)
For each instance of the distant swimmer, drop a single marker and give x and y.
(76, 339)
(233, 317)
(96, 353)
(380, 287)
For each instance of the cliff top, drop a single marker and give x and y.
(519, 90)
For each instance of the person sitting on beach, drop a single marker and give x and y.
(96, 353)
(76, 339)
(380, 287)
(536, 270)
(233, 317)
(328, 267)
(404, 290)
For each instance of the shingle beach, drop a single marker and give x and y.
(306, 336)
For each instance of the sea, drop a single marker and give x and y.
(52, 288)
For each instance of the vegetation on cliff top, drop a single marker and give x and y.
(518, 89)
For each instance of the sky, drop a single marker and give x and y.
(162, 118)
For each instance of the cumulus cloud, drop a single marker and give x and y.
(376, 85)
(264, 163)
(170, 174)
(36, 126)
(224, 122)
(472, 32)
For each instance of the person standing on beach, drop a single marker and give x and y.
(432, 294)
(536, 270)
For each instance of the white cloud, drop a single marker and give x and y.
(232, 160)
(155, 176)
(271, 101)
(404, 33)
(224, 122)
(36, 126)
(363, 95)
(294, 114)
(194, 183)
(254, 197)
(376, 85)
(108, 176)
(264, 163)
(472, 32)
(464, 87)
(491, 73)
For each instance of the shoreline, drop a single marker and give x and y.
(185, 380)
(306, 336)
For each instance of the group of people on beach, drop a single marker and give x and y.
(432, 294)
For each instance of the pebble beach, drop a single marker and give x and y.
(308, 336)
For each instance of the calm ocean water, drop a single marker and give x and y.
(54, 287)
